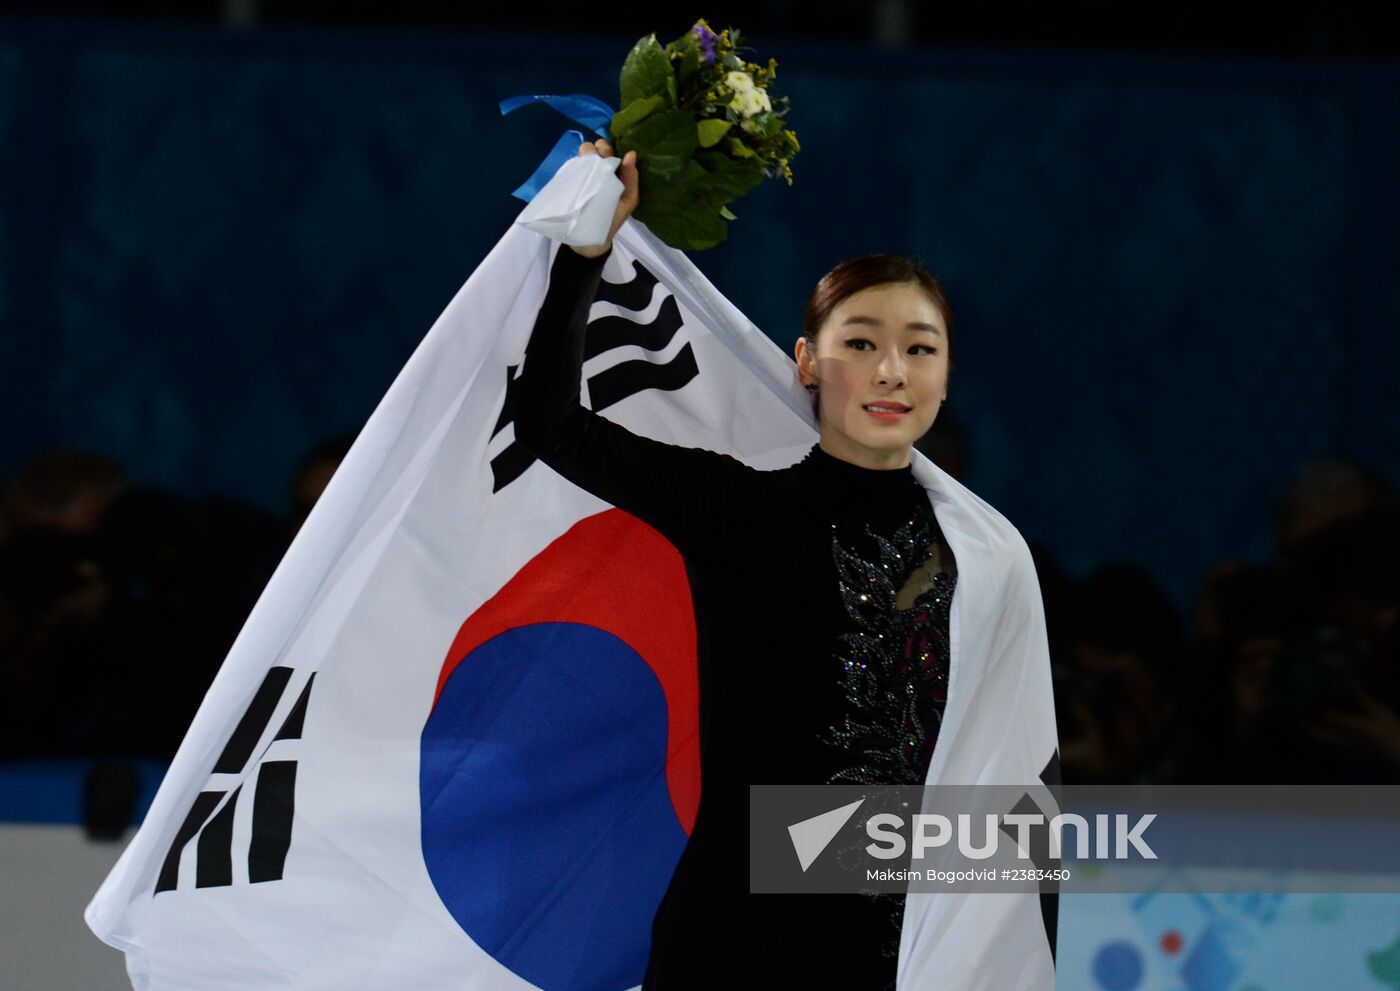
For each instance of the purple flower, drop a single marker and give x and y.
(706, 36)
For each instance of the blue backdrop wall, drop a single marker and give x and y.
(1174, 279)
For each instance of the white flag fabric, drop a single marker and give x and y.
(577, 209)
(394, 782)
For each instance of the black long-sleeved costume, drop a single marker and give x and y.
(822, 653)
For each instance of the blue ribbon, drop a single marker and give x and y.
(586, 111)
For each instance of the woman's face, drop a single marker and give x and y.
(881, 368)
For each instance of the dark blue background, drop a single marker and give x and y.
(1174, 277)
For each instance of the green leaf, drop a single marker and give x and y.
(772, 125)
(737, 147)
(664, 144)
(681, 191)
(724, 212)
(646, 71)
(687, 231)
(671, 86)
(629, 116)
(727, 180)
(669, 133)
(710, 131)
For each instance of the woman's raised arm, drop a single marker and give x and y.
(681, 491)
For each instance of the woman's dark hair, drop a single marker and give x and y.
(863, 272)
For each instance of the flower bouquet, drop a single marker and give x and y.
(705, 131)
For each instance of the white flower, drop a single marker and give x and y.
(739, 82)
(750, 102)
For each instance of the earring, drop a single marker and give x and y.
(811, 387)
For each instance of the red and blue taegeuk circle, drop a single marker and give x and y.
(560, 768)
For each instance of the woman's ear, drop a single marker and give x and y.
(806, 372)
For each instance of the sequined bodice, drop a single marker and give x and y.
(894, 665)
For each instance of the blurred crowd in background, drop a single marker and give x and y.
(118, 603)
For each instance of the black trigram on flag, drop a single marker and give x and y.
(211, 817)
(621, 380)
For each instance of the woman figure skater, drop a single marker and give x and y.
(821, 594)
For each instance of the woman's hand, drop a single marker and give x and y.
(627, 172)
